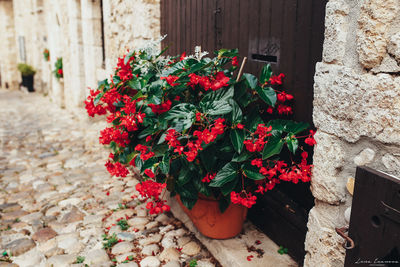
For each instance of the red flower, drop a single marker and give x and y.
(209, 177)
(91, 108)
(235, 61)
(149, 173)
(163, 107)
(220, 81)
(60, 71)
(277, 79)
(182, 57)
(248, 200)
(171, 80)
(124, 70)
(240, 126)
(150, 189)
(117, 169)
(310, 139)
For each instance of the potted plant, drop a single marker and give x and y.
(58, 71)
(27, 73)
(191, 125)
(46, 54)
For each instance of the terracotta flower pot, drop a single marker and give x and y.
(209, 220)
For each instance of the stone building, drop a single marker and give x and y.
(356, 89)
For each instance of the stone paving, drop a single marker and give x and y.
(58, 205)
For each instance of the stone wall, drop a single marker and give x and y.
(8, 53)
(72, 29)
(356, 112)
(128, 25)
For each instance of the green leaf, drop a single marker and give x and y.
(227, 188)
(237, 138)
(292, 143)
(237, 114)
(148, 164)
(131, 156)
(148, 131)
(184, 176)
(135, 84)
(273, 146)
(164, 164)
(188, 202)
(224, 203)
(97, 98)
(288, 126)
(251, 80)
(266, 74)
(215, 108)
(225, 175)
(245, 155)
(222, 94)
(252, 172)
(181, 115)
(201, 187)
(267, 94)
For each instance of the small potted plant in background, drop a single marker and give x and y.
(46, 54)
(58, 71)
(27, 73)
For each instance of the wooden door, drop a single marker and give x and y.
(375, 220)
(289, 35)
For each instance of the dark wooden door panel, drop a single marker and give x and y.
(375, 220)
(288, 34)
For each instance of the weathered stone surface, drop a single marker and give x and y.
(31, 258)
(150, 262)
(151, 249)
(339, 93)
(394, 46)
(191, 248)
(96, 256)
(150, 240)
(14, 215)
(138, 222)
(374, 20)
(44, 234)
(170, 254)
(391, 163)
(73, 216)
(366, 156)
(328, 184)
(336, 25)
(61, 260)
(19, 246)
(323, 245)
(122, 247)
(9, 207)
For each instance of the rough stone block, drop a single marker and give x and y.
(336, 29)
(327, 183)
(351, 105)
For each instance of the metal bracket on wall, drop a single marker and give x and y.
(341, 232)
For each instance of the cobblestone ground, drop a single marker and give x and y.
(58, 205)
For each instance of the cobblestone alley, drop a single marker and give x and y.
(57, 200)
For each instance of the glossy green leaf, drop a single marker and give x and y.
(252, 80)
(273, 146)
(266, 74)
(225, 175)
(292, 143)
(252, 172)
(245, 155)
(237, 137)
(227, 188)
(267, 94)
(164, 164)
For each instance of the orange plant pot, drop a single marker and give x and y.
(209, 220)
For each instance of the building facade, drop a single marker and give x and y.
(356, 89)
